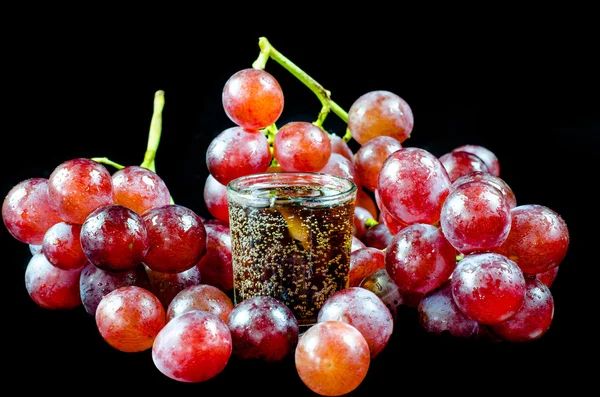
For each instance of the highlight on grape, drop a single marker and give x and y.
(444, 236)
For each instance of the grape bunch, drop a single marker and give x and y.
(440, 235)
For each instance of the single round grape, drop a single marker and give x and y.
(413, 186)
(534, 317)
(370, 157)
(27, 212)
(377, 236)
(236, 152)
(215, 198)
(167, 285)
(302, 146)
(77, 187)
(338, 145)
(359, 223)
(216, 264)
(363, 262)
(177, 238)
(419, 258)
(114, 237)
(475, 217)
(200, 297)
(193, 347)
(356, 244)
(252, 99)
(378, 113)
(493, 180)
(129, 318)
(458, 163)
(332, 358)
(485, 154)
(95, 283)
(62, 246)
(538, 238)
(51, 287)
(488, 287)
(438, 315)
(139, 188)
(263, 328)
(381, 284)
(364, 310)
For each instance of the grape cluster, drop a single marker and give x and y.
(440, 235)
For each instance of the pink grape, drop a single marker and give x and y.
(338, 145)
(340, 166)
(302, 146)
(439, 314)
(139, 188)
(200, 297)
(377, 236)
(263, 328)
(475, 217)
(413, 186)
(114, 237)
(538, 239)
(216, 263)
(378, 113)
(129, 318)
(489, 158)
(62, 246)
(488, 287)
(95, 283)
(534, 317)
(252, 98)
(332, 358)
(193, 347)
(419, 258)
(365, 200)
(458, 163)
(370, 157)
(51, 287)
(77, 187)
(365, 311)
(177, 238)
(359, 224)
(27, 212)
(236, 152)
(356, 244)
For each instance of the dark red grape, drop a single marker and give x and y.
(50, 287)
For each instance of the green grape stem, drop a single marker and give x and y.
(268, 51)
(155, 131)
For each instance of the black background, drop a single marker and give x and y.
(524, 87)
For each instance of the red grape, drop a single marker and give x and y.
(215, 198)
(370, 157)
(534, 317)
(493, 180)
(377, 236)
(548, 276)
(129, 318)
(538, 238)
(458, 163)
(332, 358)
(419, 258)
(302, 146)
(62, 246)
(177, 238)
(338, 145)
(485, 154)
(378, 113)
(252, 98)
(340, 166)
(413, 184)
(167, 285)
(263, 328)
(475, 217)
(77, 187)
(363, 262)
(237, 152)
(27, 212)
(51, 287)
(114, 237)
(215, 265)
(139, 188)
(193, 347)
(488, 287)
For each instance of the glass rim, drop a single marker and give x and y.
(346, 187)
